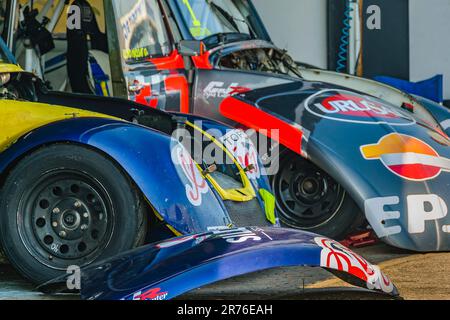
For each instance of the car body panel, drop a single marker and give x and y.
(162, 182)
(439, 112)
(393, 165)
(169, 269)
(19, 118)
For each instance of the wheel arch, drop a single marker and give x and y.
(13, 162)
(145, 169)
(338, 172)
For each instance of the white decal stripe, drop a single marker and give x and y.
(445, 124)
(415, 158)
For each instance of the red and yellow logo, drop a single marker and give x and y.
(407, 157)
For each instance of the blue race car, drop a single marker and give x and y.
(79, 186)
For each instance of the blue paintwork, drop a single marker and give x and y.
(439, 112)
(144, 154)
(218, 130)
(172, 268)
(335, 146)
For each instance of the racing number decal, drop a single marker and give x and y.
(166, 88)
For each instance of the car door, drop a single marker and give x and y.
(153, 70)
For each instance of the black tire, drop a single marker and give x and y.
(66, 205)
(309, 199)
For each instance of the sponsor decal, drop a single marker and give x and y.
(132, 19)
(337, 257)
(407, 157)
(175, 242)
(241, 235)
(152, 294)
(217, 89)
(244, 151)
(347, 106)
(422, 211)
(197, 184)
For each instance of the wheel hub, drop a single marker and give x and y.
(306, 196)
(70, 218)
(69, 215)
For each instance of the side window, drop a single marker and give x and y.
(141, 30)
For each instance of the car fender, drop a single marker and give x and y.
(392, 163)
(243, 148)
(169, 269)
(146, 156)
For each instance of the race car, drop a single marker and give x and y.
(351, 150)
(78, 186)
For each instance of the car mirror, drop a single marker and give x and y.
(191, 48)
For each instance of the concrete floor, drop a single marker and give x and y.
(418, 276)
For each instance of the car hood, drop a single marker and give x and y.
(174, 267)
(395, 166)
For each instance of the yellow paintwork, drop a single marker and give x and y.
(247, 193)
(10, 68)
(269, 204)
(17, 118)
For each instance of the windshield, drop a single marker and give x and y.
(205, 18)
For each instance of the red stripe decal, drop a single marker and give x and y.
(252, 117)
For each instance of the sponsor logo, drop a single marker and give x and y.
(217, 89)
(197, 185)
(244, 151)
(175, 242)
(346, 106)
(407, 157)
(420, 209)
(152, 294)
(336, 256)
(241, 235)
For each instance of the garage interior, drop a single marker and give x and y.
(397, 43)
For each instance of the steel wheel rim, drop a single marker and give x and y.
(66, 217)
(307, 197)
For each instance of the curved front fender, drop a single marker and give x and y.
(392, 163)
(174, 267)
(146, 156)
